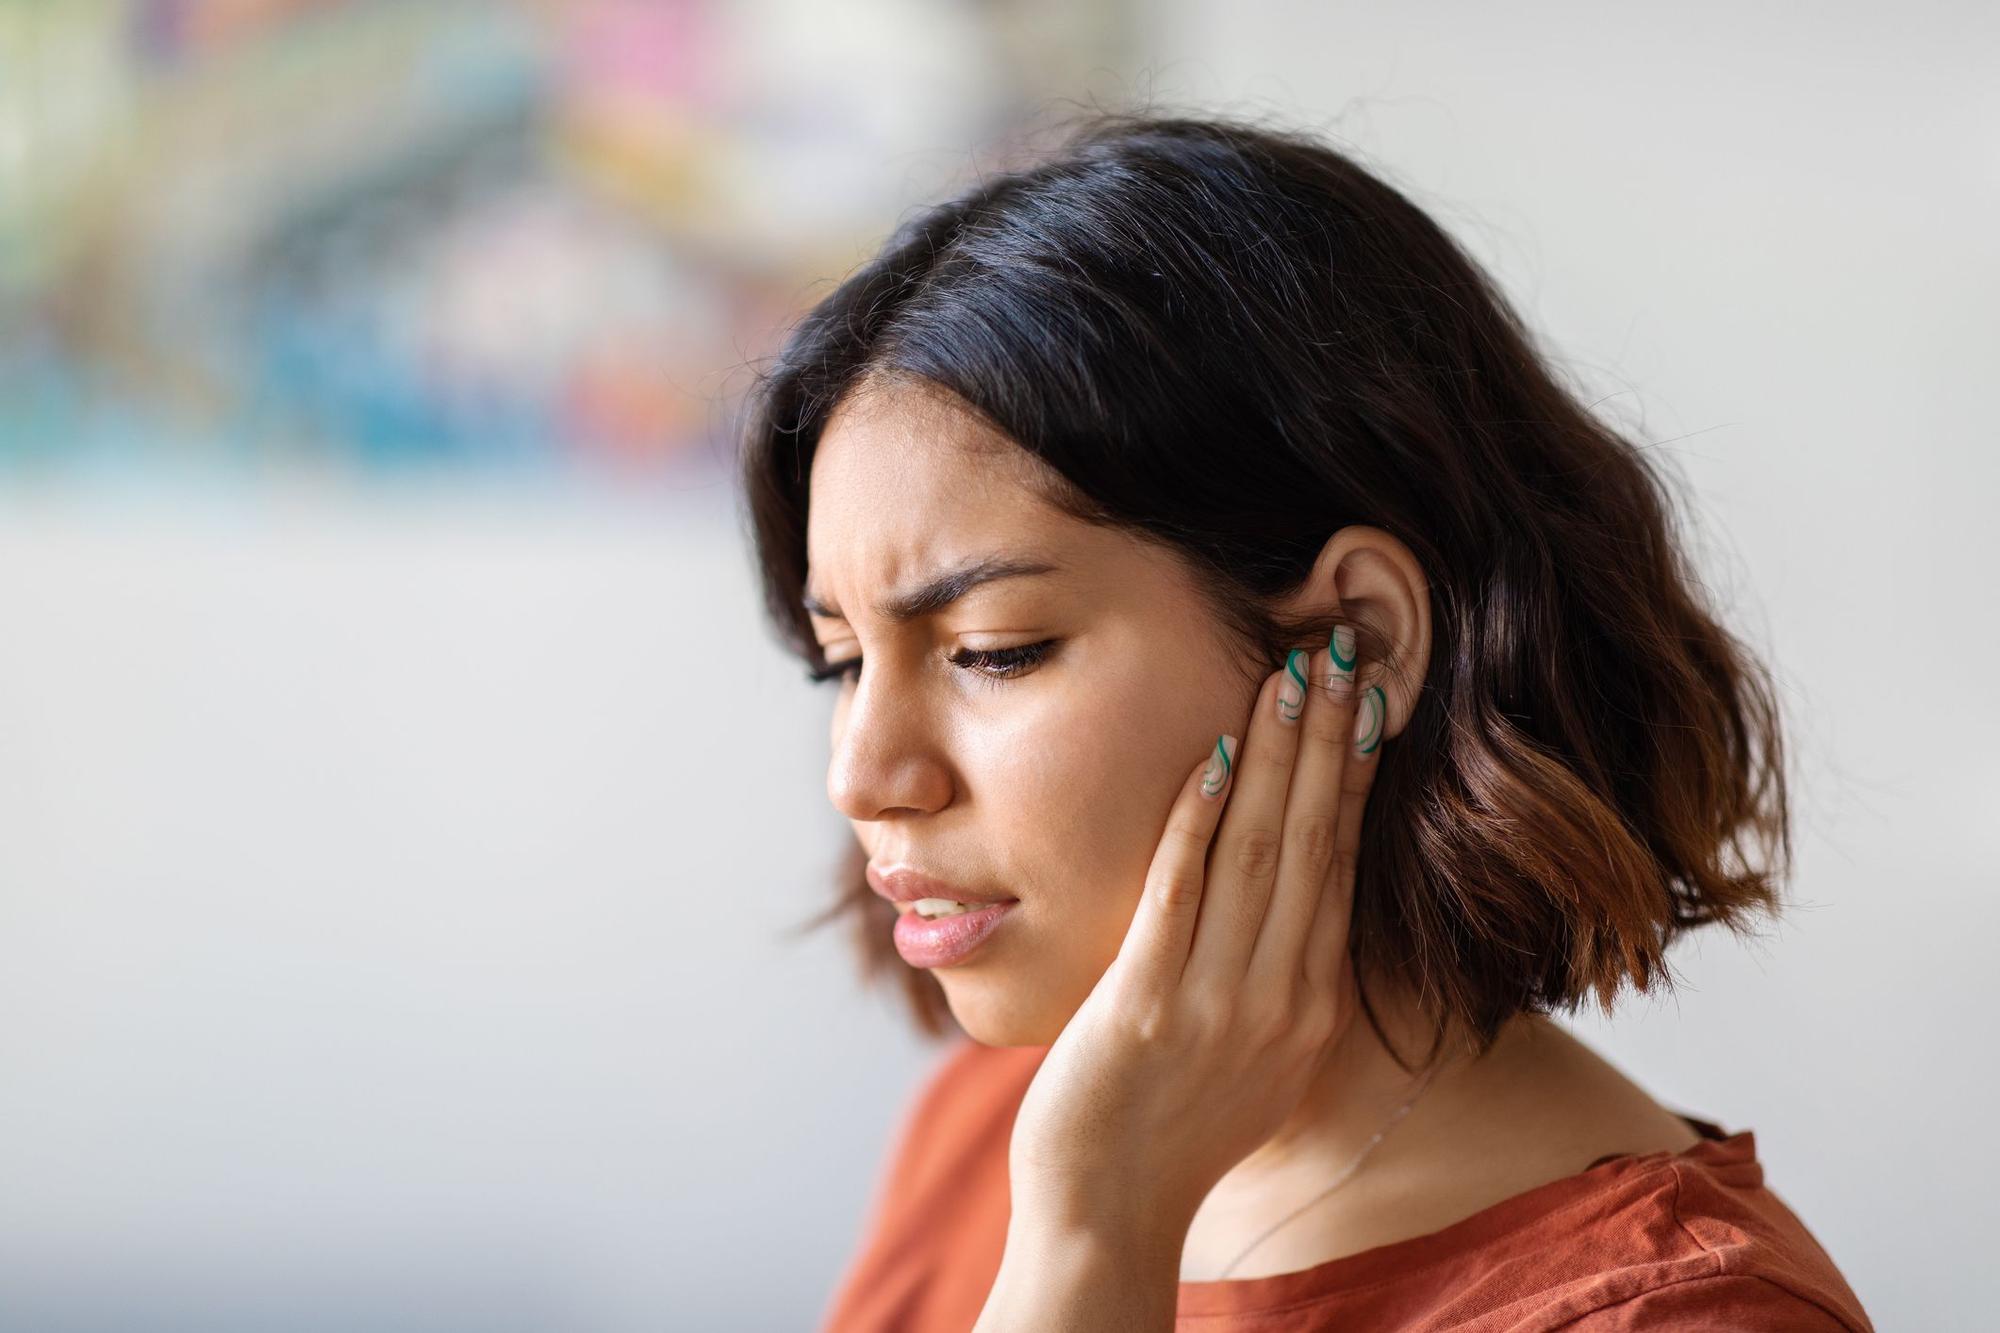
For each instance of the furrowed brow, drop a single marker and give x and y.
(941, 591)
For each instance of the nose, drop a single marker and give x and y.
(886, 758)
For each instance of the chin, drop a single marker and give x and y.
(997, 1010)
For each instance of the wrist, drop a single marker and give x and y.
(1073, 1273)
(1134, 1243)
(1116, 1222)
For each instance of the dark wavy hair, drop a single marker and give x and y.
(1232, 339)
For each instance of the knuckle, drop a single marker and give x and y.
(1313, 835)
(1256, 853)
(1177, 892)
(1265, 1022)
(1316, 1017)
(1149, 1020)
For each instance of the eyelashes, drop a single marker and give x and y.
(993, 664)
(999, 664)
(832, 671)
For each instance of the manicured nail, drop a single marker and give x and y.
(1292, 687)
(1340, 647)
(1220, 761)
(1368, 719)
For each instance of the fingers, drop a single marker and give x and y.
(1244, 863)
(1326, 940)
(1307, 871)
(1252, 885)
(1151, 959)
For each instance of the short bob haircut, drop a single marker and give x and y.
(1232, 340)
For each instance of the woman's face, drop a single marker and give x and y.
(1050, 785)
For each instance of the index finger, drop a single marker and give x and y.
(1155, 948)
(1311, 843)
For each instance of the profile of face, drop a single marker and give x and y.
(1043, 776)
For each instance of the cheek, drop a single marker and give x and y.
(1082, 787)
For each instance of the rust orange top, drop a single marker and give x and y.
(1688, 1240)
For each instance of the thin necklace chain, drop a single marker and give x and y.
(1339, 1180)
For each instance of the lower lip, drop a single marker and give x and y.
(949, 939)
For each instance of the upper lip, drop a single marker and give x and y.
(906, 884)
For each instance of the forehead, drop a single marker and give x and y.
(904, 481)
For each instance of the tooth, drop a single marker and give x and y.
(932, 908)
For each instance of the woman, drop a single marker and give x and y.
(1155, 510)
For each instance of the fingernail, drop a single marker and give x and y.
(1340, 647)
(1292, 687)
(1220, 761)
(1368, 719)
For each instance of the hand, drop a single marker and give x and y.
(1232, 982)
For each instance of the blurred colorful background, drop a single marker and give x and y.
(405, 812)
(348, 237)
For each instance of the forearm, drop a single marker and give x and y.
(1054, 1279)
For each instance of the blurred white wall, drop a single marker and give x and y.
(392, 894)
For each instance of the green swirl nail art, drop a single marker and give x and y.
(1340, 645)
(1219, 764)
(1368, 720)
(1292, 689)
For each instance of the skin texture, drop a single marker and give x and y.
(1053, 787)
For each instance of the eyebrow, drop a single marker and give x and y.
(943, 590)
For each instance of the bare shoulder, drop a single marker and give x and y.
(1607, 1107)
(1553, 1106)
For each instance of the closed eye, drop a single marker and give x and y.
(993, 663)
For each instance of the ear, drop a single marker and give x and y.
(1369, 575)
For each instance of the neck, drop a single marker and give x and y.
(1357, 1088)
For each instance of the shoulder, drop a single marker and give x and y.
(1744, 1260)
(1742, 1302)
